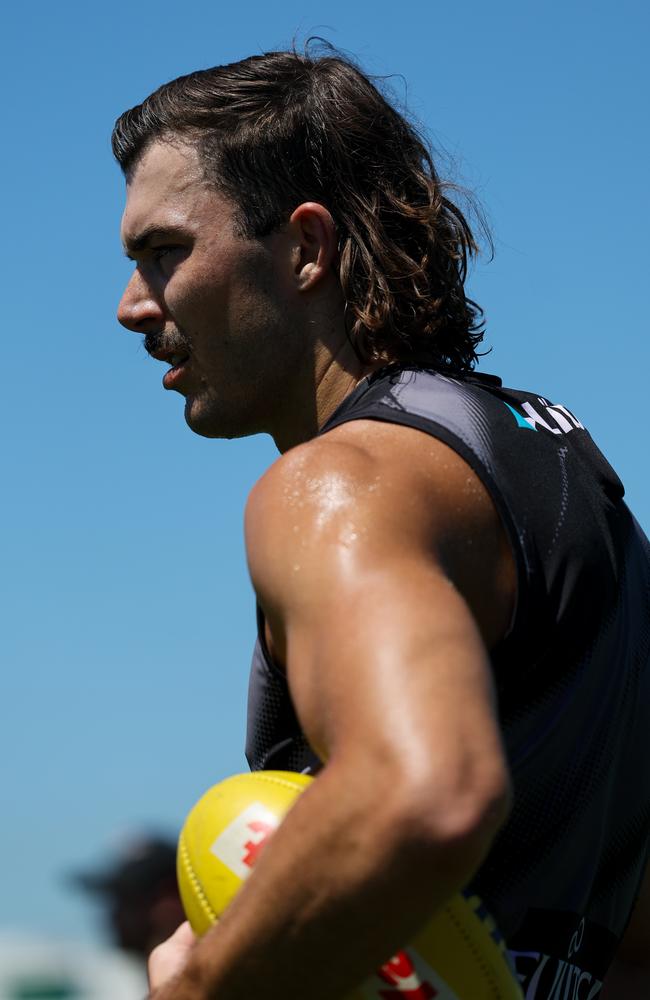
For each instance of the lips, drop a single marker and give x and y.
(169, 350)
(172, 377)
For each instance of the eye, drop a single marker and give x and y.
(168, 257)
(159, 253)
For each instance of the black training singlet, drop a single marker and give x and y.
(572, 675)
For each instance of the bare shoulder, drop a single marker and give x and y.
(315, 499)
(388, 466)
(306, 471)
(314, 485)
(369, 490)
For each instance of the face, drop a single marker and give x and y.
(216, 306)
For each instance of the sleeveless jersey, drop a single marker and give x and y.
(572, 675)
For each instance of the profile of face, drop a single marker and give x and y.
(226, 311)
(212, 303)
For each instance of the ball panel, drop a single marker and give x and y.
(223, 835)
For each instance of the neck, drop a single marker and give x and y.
(334, 375)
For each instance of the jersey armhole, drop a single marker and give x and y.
(269, 660)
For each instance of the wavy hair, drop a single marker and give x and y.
(281, 128)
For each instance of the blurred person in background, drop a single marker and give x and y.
(139, 898)
(138, 892)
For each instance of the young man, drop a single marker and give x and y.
(453, 597)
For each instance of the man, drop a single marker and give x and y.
(452, 596)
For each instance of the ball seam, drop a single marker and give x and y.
(272, 779)
(491, 976)
(198, 888)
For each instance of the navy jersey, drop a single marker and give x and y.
(572, 675)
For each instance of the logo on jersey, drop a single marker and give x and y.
(550, 977)
(551, 416)
(239, 845)
(545, 977)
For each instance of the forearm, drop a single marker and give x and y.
(326, 903)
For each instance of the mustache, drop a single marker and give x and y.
(169, 341)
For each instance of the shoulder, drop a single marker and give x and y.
(317, 498)
(382, 469)
(323, 475)
(389, 460)
(368, 492)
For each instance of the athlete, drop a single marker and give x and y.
(453, 597)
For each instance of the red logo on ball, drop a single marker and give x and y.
(400, 973)
(253, 847)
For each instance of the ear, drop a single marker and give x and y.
(316, 240)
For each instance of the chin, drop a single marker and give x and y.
(206, 422)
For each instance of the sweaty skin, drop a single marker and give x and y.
(258, 322)
(385, 577)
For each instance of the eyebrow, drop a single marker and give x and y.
(142, 240)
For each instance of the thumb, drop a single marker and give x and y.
(184, 936)
(169, 958)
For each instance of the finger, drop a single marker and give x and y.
(170, 957)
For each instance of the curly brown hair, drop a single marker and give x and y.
(278, 129)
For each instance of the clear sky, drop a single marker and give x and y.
(127, 613)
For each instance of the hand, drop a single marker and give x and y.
(168, 959)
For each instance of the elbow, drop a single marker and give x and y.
(454, 825)
(426, 821)
(477, 812)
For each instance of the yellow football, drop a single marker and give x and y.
(459, 955)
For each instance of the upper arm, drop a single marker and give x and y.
(381, 587)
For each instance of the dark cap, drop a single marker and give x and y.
(140, 864)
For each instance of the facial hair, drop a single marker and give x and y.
(167, 341)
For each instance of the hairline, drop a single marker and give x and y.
(177, 139)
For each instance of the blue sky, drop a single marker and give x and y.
(128, 616)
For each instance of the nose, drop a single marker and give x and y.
(138, 309)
